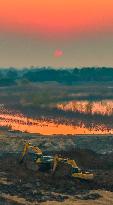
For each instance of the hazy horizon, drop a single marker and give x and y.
(65, 33)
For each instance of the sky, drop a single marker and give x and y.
(57, 33)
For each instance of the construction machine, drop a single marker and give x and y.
(47, 163)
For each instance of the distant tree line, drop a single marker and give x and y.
(13, 76)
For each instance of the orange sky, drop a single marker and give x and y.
(56, 17)
(31, 31)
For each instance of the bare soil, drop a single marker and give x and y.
(22, 186)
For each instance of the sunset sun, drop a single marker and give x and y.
(58, 53)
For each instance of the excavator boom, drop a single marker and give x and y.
(27, 147)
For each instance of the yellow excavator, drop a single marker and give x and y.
(51, 163)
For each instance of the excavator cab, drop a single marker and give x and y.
(44, 162)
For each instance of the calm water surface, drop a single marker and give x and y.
(48, 127)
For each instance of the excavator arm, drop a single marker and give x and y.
(27, 147)
(72, 163)
(58, 159)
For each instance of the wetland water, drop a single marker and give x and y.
(48, 127)
(104, 107)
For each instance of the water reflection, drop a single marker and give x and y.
(104, 107)
(22, 123)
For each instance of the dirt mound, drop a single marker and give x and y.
(89, 159)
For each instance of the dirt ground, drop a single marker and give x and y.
(22, 186)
